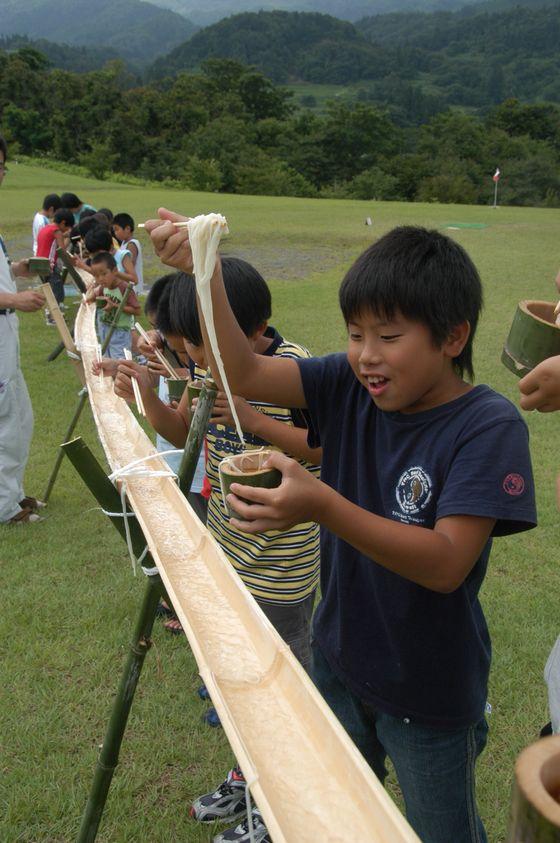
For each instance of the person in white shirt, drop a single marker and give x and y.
(51, 204)
(16, 414)
(123, 229)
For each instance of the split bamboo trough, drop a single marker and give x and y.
(272, 714)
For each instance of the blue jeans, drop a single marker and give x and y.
(435, 768)
(121, 338)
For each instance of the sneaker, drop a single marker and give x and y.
(32, 503)
(225, 803)
(212, 718)
(203, 693)
(49, 320)
(241, 833)
(25, 516)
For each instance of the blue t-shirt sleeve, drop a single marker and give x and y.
(323, 379)
(491, 476)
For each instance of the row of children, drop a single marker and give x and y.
(104, 245)
(419, 471)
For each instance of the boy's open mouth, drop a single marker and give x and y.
(376, 384)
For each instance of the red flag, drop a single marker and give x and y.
(496, 175)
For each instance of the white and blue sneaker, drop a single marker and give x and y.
(227, 802)
(241, 833)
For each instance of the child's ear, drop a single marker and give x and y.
(457, 338)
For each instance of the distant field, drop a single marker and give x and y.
(69, 597)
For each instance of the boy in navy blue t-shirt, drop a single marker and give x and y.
(420, 470)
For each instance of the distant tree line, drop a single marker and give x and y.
(229, 128)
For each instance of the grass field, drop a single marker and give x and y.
(68, 595)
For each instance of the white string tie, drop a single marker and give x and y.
(249, 803)
(73, 356)
(137, 469)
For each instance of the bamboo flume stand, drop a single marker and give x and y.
(81, 402)
(109, 499)
(535, 813)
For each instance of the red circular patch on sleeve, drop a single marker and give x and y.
(514, 484)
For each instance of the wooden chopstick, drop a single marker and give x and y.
(135, 387)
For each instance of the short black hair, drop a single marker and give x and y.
(100, 218)
(87, 224)
(106, 212)
(3, 148)
(52, 200)
(65, 216)
(106, 258)
(87, 212)
(247, 292)
(70, 200)
(98, 240)
(158, 292)
(422, 274)
(123, 220)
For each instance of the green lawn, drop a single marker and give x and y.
(70, 599)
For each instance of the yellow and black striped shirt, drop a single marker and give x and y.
(277, 567)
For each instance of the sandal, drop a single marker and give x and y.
(25, 516)
(173, 626)
(163, 610)
(32, 503)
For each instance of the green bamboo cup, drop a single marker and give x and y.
(176, 387)
(194, 387)
(532, 338)
(247, 469)
(39, 266)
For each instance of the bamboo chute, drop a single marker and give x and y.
(272, 714)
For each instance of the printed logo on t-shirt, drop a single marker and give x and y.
(414, 490)
(514, 484)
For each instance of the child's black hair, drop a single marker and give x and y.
(87, 224)
(52, 200)
(106, 258)
(123, 220)
(98, 240)
(107, 213)
(246, 290)
(422, 274)
(4, 148)
(65, 216)
(70, 200)
(158, 293)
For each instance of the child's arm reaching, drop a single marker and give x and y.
(438, 559)
(170, 423)
(540, 389)
(292, 440)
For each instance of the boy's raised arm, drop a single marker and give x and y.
(253, 376)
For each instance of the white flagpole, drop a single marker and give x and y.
(496, 179)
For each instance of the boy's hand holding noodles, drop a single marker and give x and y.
(420, 469)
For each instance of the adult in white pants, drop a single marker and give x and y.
(16, 415)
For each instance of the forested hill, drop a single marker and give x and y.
(501, 54)
(415, 63)
(63, 56)
(214, 10)
(284, 46)
(136, 30)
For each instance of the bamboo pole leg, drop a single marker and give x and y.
(109, 755)
(69, 432)
(83, 397)
(195, 438)
(109, 499)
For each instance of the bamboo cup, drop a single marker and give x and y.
(247, 469)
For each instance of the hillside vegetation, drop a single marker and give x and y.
(136, 30)
(283, 46)
(416, 64)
